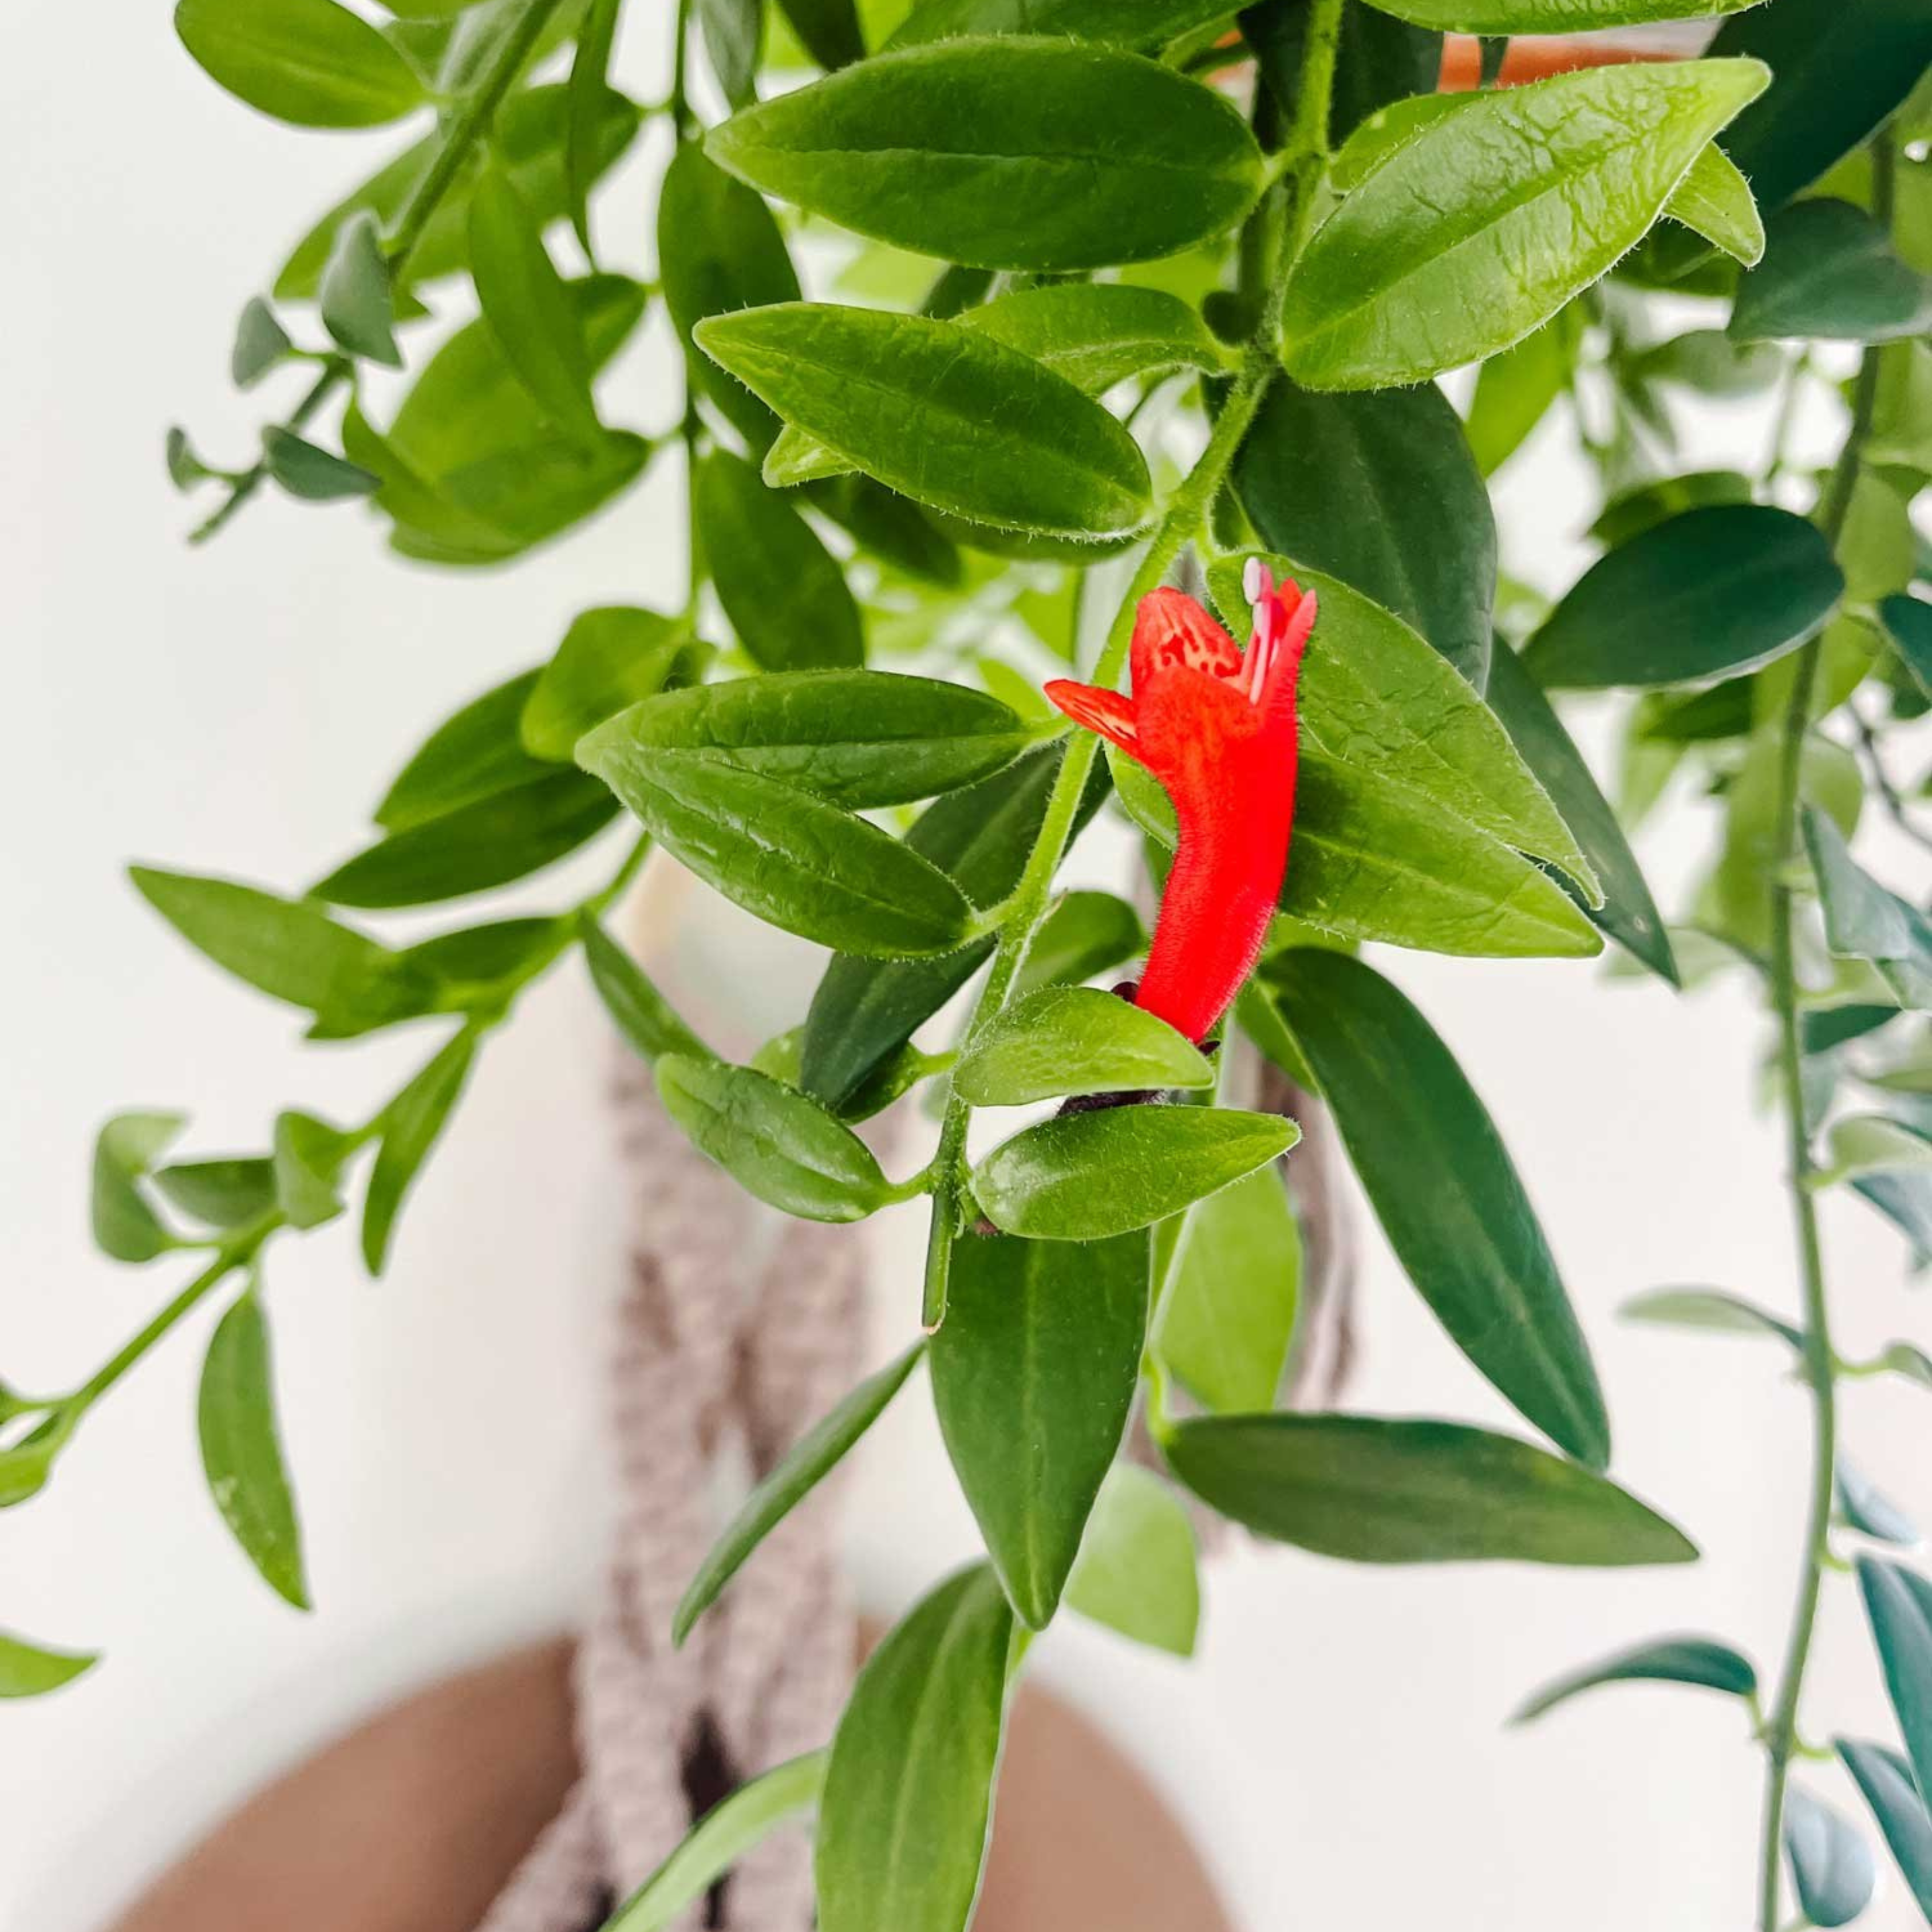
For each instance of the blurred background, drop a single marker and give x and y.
(1338, 1747)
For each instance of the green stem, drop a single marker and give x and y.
(1781, 1740)
(473, 119)
(1186, 511)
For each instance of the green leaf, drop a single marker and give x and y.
(1868, 1510)
(411, 1125)
(1233, 1284)
(643, 1015)
(1898, 1606)
(1710, 1309)
(1715, 201)
(1831, 1867)
(828, 30)
(125, 1228)
(792, 859)
(1709, 363)
(528, 305)
(313, 474)
(785, 595)
(856, 738)
(310, 62)
(1141, 26)
(28, 1670)
(1504, 17)
(1859, 1144)
(806, 1465)
(290, 949)
(1138, 1571)
(903, 1824)
(223, 1193)
(1646, 504)
(1465, 238)
(775, 1142)
(241, 1449)
(942, 414)
(1442, 1185)
(1908, 623)
(261, 343)
(1901, 1358)
(1017, 153)
(1075, 1039)
(610, 657)
(589, 72)
(1700, 1660)
(719, 250)
(1380, 490)
(865, 1009)
(25, 1466)
(1828, 271)
(1377, 1490)
(734, 33)
(1836, 77)
(357, 308)
(185, 468)
(528, 140)
(1097, 334)
(1863, 920)
(475, 754)
(1379, 62)
(1086, 933)
(505, 836)
(729, 1829)
(1629, 913)
(1085, 1176)
(1034, 1374)
(1721, 589)
(307, 1166)
(1886, 1781)
(1516, 389)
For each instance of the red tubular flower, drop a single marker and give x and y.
(1216, 727)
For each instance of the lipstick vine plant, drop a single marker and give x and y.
(1112, 241)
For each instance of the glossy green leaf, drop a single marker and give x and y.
(590, 72)
(903, 1824)
(1700, 1660)
(358, 307)
(241, 1449)
(1034, 1374)
(1516, 389)
(1017, 153)
(1898, 1606)
(1075, 1039)
(1443, 1186)
(310, 62)
(1628, 913)
(1829, 271)
(1715, 200)
(785, 595)
(290, 949)
(1722, 590)
(475, 753)
(1097, 334)
(1143, 25)
(1233, 1284)
(1832, 1871)
(1377, 1490)
(505, 836)
(805, 1465)
(719, 250)
(313, 474)
(729, 1829)
(775, 1142)
(221, 1193)
(528, 305)
(1710, 1309)
(1502, 17)
(528, 140)
(1379, 489)
(865, 1009)
(828, 30)
(734, 35)
(610, 659)
(643, 1015)
(1138, 1572)
(307, 1166)
(411, 1125)
(856, 738)
(945, 415)
(125, 1227)
(1485, 224)
(1645, 506)
(1868, 1510)
(1086, 933)
(31, 1670)
(261, 344)
(1886, 1780)
(795, 861)
(1085, 1176)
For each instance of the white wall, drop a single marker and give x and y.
(1337, 1745)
